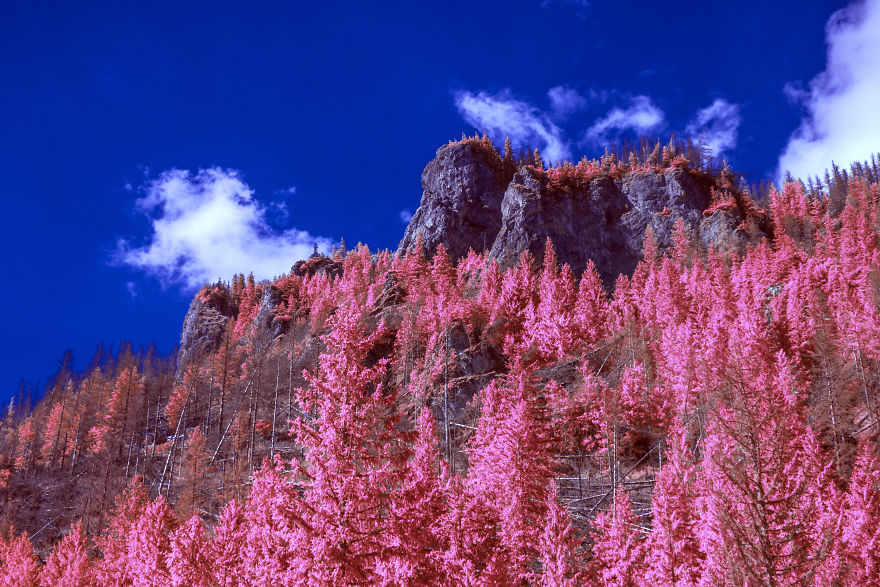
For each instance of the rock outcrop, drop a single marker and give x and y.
(202, 329)
(466, 206)
(474, 199)
(461, 207)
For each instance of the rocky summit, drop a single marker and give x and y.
(473, 198)
(471, 202)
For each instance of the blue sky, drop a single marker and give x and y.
(148, 147)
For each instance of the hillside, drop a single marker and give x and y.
(623, 371)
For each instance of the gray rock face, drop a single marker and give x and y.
(604, 222)
(202, 330)
(266, 314)
(461, 205)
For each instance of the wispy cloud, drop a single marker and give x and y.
(565, 101)
(502, 115)
(405, 216)
(716, 126)
(209, 225)
(841, 121)
(641, 116)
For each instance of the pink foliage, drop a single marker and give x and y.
(673, 555)
(18, 565)
(618, 549)
(861, 533)
(148, 546)
(511, 465)
(557, 548)
(189, 563)
(68, 565)
(227, 547)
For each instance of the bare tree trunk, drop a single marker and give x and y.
(446, 402)
(125, 411)
(290, 386)
(169, 460)
(156, 424)
(275, 409)
(142, 450)
(60, 423)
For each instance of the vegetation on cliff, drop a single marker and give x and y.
(419, 420)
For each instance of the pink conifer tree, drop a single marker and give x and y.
(355, 457)
(113, 568)
(470, 527)
(276, 535)
(189, 563)
(68, 565)
(550, 323)
(18, 565)
(673, 555)
(618, 546)
(511, 464)
(557, 548)
(416, 511)
(769, 510)
(227, 546)
(861, 533)
(591, 307)
(148, 545)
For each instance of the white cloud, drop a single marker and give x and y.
(716, 125)
(209, 225)
(565, 101)
(503, 116)
(842, 121)
(641, 116)
(405, 216)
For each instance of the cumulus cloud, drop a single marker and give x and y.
(841, 121)
(209, 225)
(716, 126)
(502, 116)
(641, 116)
(564, 101)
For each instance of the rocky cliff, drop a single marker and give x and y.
(470, 201)
(474, 199)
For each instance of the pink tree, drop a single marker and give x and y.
(189, 563)
(517, 299)
(148, 546)
(68, 565)
(550, 325)
(18, 566)
(227, 547)
(591, 307)
(673, 555)
(618, 549)
(861, 533)
(557, 548)
(354, 458)
(113, 568)
(470, 526)
(769, 510)
(275, 533)
(335, 527)
(416, 511)
(511, 466)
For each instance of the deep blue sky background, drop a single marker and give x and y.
(344, 101)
